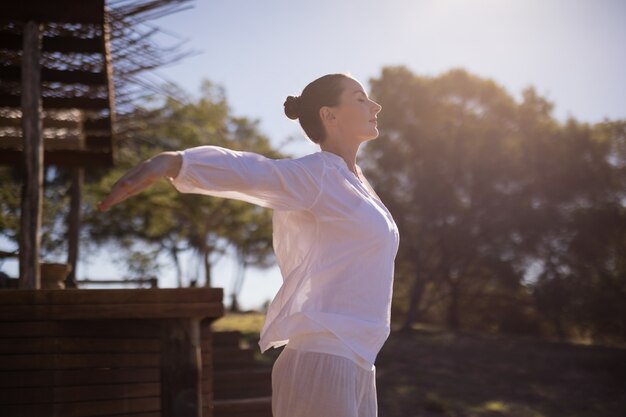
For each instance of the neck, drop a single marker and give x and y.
(346, 150)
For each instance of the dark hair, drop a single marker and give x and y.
(324, 91)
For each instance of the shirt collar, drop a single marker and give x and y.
(334, 159)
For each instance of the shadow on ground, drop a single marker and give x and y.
(430, 373)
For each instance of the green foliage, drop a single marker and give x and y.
(55, 207)
(168, 222)
(160, 220)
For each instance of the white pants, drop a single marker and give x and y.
(319, 384)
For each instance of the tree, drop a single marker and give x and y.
(480, 186)
(168, 222)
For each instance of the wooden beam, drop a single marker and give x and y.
(32, 196)
(47, 123)
(179, 296)
(67, 158)
(92, 143)
(63, 43)
(62, 11)
(108, 70)
(11, 100)
(101, 124)
(98, 124)
(13, 73)
(181, 369)
(17, 143)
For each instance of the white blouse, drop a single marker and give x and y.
(335, 242)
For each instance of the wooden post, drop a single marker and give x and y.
(32, 191)
(181, 368)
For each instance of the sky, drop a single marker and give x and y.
(572, 51)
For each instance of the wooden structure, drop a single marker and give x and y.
(80, 353)
(56, 103)
(242, 386)
(55, 68)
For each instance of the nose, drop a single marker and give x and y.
(377, 107)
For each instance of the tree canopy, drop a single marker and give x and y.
(509, 220)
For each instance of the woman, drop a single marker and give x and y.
(335, 243)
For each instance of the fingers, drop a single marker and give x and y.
(131, 183)
(120, 192)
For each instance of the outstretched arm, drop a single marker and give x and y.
(280, 184)
(165, 164)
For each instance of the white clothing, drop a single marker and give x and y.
(326, 342)
(315, 384)
(335, 242)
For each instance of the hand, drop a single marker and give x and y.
(141, 177)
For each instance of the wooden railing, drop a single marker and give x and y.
(80, 353)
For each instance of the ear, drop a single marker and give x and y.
(326, 114)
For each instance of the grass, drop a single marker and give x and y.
(428, 372)
(247, 323)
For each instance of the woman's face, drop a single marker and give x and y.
(356, 113)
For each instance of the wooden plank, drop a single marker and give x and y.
(181, 370)
(112, 296)
(11, 100)
(106, 376)
(110, 311)
(19, 329)
(37, 378)
(72, 44)
(62, 11)
(106, 407)
(67, 158)
(32, 195)
(110, 329)
(35, 395)
(16, 142)
(30, 410)
(74, 377)
(47, 123)
(103, 392)
(103, 123)
(13, 73)
(64, 43)
(74, 345)
(68, 142)
(79, 361)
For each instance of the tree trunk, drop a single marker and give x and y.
(417, 291)
(207, 266)
(73, 223)
(453, 307)
(179, 272)
(32, 191)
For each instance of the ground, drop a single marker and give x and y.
(432, 373)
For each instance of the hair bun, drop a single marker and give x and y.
(292, 107)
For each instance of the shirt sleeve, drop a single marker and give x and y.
(282, 184)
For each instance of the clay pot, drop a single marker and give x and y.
(53, 275)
